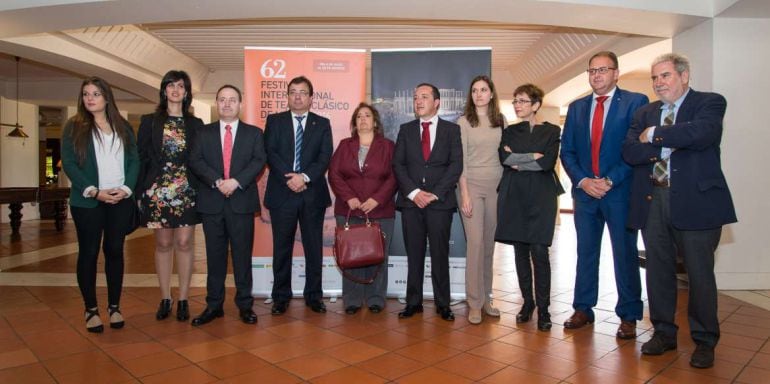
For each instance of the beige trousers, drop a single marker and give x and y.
(480, 235)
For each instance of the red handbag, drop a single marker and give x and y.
(359, 245)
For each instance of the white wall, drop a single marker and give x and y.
(19, 157)
(733, 56)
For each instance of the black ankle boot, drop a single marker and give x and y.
(525, 314)
(164, 308)
(543, 321)
(182, 310)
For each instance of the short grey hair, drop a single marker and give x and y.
(681, 62)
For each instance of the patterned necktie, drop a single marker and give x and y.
(596, 133)
(298, 143)
(227, 150)
(660, 169)
(426, 140)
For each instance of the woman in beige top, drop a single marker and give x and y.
(481, 126)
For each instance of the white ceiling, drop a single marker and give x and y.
(543, 41)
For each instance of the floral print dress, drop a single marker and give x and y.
(170, 201)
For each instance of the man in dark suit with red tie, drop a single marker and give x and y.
(680, 201)
(299, 148)
(227, 156)
(594, 131)
(427, 162)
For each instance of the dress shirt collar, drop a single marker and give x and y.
(609, 94)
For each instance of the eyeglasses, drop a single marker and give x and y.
(302, 93)
(520, 101)
(600, 70)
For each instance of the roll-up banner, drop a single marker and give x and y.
(395, 74)
(339, 82)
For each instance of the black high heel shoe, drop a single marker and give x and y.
(543, 321)
(164, 309)
(525, 314)
(116, 317)
(182, 310)
(96, 325)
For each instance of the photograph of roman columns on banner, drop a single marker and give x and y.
(339, 82)
(395, 73)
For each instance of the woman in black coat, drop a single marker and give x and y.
(168, 189)
(527, 199)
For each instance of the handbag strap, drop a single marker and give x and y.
(345, 273)
(347, 218)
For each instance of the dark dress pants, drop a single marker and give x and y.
(662, 243)
(590, 217)
(284, 221)
(222, 231)
(433, 225)
(529, 256)
(90, 223)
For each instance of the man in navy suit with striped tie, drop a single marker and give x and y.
(299, 147)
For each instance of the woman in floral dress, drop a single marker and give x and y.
(168, 189)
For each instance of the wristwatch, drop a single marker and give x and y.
(609, 181)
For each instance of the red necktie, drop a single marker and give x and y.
(426, 140)
(227, 150)
(596, 133)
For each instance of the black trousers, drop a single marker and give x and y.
(529, 256)
(662, 243)
(284, 221)
(110, 221)
(234, 231)
(420, 227)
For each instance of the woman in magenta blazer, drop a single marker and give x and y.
(362, 179)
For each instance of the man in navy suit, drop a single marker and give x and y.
(680, 201)
(227, 156)
(427, 162)
(299, 147)
(592, 141)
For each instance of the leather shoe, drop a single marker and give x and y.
(490, 310)
(409, 311)
(182, 310)
(703, 357)
(375, 308)
(446, 313)
(164, 309)
(207, 316)
(316, 306)
(525, 314)
(659, 344)
(279, 307)
(578, 320)
(626, 330)
(351, 309)
(544, 321)
(248, 316)
(474, 316)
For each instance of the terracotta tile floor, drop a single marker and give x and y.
(43, 339)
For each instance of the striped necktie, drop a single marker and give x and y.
(298, 143)
(660, 170)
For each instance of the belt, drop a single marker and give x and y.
(661, 184)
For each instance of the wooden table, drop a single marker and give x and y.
(14, 197)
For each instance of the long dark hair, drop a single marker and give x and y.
(173, 76)
(493, 111)
(83, 125)
(375, 116)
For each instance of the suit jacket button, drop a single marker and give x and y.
(649, 197)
